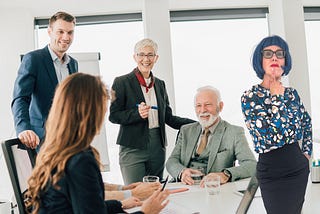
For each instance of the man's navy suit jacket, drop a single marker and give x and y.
(34, 90)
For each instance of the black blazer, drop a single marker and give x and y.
(81, 190)
(123, 110)
(34, 90)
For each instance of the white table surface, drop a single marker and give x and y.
(196, 200)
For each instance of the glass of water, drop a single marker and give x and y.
(212, 184)
(150, 178)
(197, 175)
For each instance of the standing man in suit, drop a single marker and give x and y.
(225, 144)
(141, 107)
(39, 74)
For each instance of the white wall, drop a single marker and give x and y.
(16, 38)
(14, 42)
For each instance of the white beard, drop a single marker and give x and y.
(206, 123)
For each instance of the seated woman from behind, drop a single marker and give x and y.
(66, 177)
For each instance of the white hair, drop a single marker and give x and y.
(146, 43)
(214, 90)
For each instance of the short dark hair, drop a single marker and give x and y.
(257, 54)
(62, 15)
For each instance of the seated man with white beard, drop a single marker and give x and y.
(212, 144)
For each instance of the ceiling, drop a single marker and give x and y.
(44, 8)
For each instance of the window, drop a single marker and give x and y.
(217, 53)
(312, 29)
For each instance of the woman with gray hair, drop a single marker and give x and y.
(141, 107)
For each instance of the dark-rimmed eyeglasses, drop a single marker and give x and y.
(268, 54)
(143, 55)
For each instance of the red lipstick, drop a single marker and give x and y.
(274, 65)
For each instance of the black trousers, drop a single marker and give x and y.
(283, 176)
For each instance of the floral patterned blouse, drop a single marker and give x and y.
(274, 121)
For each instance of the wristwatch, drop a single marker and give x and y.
(227, 173)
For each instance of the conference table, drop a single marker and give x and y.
(196, 200)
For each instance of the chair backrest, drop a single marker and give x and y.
(19, 160)
(248, 196)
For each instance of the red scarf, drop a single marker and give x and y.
(142, 81)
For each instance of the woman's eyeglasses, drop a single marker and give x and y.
(149, 56)
(268, 54)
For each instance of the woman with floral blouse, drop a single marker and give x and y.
(280, 127)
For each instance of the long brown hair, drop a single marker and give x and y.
(76, 116)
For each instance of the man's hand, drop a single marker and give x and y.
(186, 176)
(223, 178)
(29, 138)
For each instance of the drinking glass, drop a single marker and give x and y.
(212, 184)
(150, 178)
(198, 175)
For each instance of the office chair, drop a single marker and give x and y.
(248, 196)
(19, 160)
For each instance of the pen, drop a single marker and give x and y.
(165, 183)
(152, 107)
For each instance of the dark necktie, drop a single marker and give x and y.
(204, 141)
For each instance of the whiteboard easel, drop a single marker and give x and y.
(89, 63)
